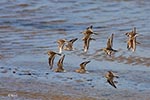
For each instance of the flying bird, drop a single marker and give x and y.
(87, 37)
(132, 33)
(86, 44)
(82, 67)
(88, 31)
(69, 45)
(131, 43)
(110, 78)
(52, 55)
(60, 65)
(109, 50)
(61, 43)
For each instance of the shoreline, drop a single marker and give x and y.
(33, 89)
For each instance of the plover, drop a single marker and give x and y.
(82, 67)
(110, 78)
(60, 65)
(52, 55)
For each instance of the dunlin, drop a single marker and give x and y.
(61, 43)
(69, 45)
(131, 43)
(60, 65)
(86, 44)
(110, 78)
(82, 67)
(52, 55)
(87, 37)
(109, 50)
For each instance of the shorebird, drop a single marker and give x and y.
(61, 43)
(52, 55)
(82, 67)
(60, 65)
(69, 45)
(86, 44)
(131, 43)
(109, 50)
(110, 78)
(88, 31)
(132, 33)
(87, 37)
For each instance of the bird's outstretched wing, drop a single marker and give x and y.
(111, 83)
(83, 64)
(73, 40)
(60, 62)
(51, 61)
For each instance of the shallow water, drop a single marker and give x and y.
(28, 29)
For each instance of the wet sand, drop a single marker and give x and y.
(23, 89)
(19, 84)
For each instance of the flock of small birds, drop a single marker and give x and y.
(64, 44)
